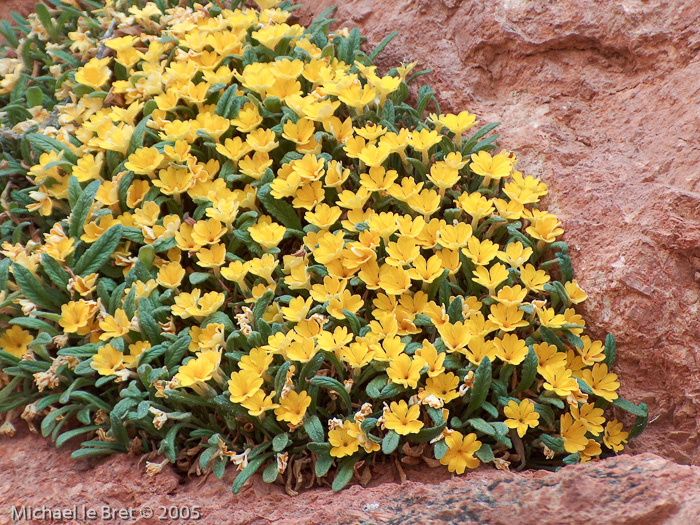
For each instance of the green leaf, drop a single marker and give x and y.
(353, 321)
(279, 442)
(380, 47)
(482, 426)
(344, 475)
(335, 385)
(34, 95)
(70, 434)
(280, 210)
(485, 453)
(426, 434)
(261, 306)
(252, 467)
(482, 383)
(33, 289)
(55, 271)
(314, 429)
(270, 473)
(529, 371)
(99, 252)
(46, 144)
(176, 351)
(83, 453)
(35, 324)
(555, 444)
(167, 445)
(375, 386)
(640, 410)
(324, 462)
(455, 310)
(549, 337)
(390, 442)
(640, 423)
(138, 135)
(42, 13)
(610, 350)
(50, 420)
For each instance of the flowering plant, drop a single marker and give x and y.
(230, 237)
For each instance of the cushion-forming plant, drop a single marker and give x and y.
(229, 237)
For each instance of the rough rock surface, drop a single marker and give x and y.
(601, 100)
(625, 490)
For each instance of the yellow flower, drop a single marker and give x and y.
(16, 341)
(575, 293)
(559, 380)
(510, 349)
(433, 359)
(402, 252)
(592, 351)
(293, 407)
(455, 336)
(357, 354)
(521, 416)
(95, 73)
(115, 326)
(324, 216)
(259, 403)
(297, 310)
(614, 438)
(170, 275)
(196, 371)
(213, 257)
(460, 452)
(403, 419)
(257, 361)
(548, 357)
(592, 450)
(573, 433)
(602, 383)
(243, 385)
(443, 175)
(266, 233)
(405, 371)
(454, 237)
(236, 271)
(443, 386)
(344, 301)
(457, 124)
(426, 271)
(511, 295)
(545, 229)
(342, 442)
(491, 278)
(591, 417)
(496, 167)
(394, 280)
(534, 280)
(144, 161)
(195, 305)
(107, 360)
(515, 254)
(479, 348)
(234, 149)
(74, 316)
(507, 317)
(424, 139)
(480, 252)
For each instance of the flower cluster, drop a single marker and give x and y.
(233, 235)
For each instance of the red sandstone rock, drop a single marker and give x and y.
(625, 489)
(599, 99)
